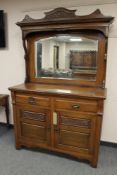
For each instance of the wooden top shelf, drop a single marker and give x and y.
(61, 90)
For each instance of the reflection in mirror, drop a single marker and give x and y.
(66, 56)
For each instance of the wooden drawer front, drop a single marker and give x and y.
(76, 105)
(33, 100)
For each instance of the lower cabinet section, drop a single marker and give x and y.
(33, 125)
(75, 132)
(58, 125)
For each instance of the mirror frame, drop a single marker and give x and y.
(61, 20)
(100, 59)
(80, 74)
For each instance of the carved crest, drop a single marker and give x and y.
(27, 18)
(60, 13)
(63, 14)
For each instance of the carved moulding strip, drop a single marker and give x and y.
(25, 56)
(61, 13)
(76, 122)
(95, 20)
(35, 116)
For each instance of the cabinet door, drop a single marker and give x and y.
(33, 126)
(74, 132)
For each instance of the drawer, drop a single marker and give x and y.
(76, 105)
(33, 100)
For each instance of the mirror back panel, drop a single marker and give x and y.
(65, 48)
(69, 57)
(66, 56)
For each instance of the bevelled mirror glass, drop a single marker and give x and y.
(66, 56)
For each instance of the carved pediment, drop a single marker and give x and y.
(60, 13)
(63, 14)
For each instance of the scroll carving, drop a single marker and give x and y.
(35, 116)
(27, 18)
(60, 13)
(25, 57)
(77, 122)
(66, 14)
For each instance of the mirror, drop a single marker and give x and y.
(66, 56)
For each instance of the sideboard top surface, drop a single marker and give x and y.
(61, 90)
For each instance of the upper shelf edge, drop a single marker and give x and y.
(64, 15)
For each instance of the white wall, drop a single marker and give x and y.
(12, 67)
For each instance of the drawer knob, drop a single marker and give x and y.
(76, 106)
(31, 101)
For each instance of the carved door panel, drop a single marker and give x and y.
(33, 125)
(75, 132)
